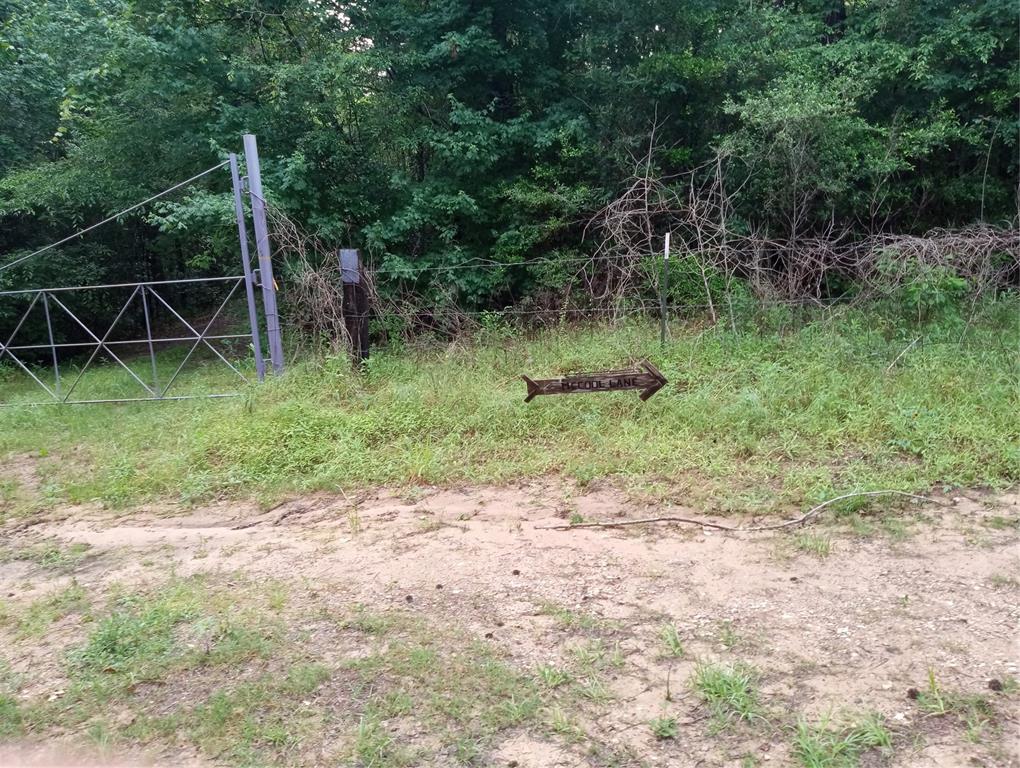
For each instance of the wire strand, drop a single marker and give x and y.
(108, 219)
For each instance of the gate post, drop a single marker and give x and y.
(249, 283)
(355, 303)
(258, 214)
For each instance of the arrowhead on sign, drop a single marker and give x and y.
(533, 389)
(660, 380)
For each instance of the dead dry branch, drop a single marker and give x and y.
(803, 269)
(314, 299)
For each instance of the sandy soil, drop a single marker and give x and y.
(850, 632)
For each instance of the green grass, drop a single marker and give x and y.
(50, 555)
(595, 656)
(254, 717)
(374, 747)
(10, 717)
(244, 723)
(664, 728)
(938, 701)
(553, 677)
(796, 416)
(41, 614)
(828, 745)
(730, 690)
(573, 620)
(729, 638)
(1003, 581)
(464, 695)
(816, 544)
(671, 640)
(184, 624)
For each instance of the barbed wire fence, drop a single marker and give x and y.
(739, 272)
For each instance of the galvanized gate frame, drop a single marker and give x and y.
(146, 290)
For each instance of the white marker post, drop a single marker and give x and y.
(663, 289)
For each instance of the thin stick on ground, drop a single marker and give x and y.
(909, 347)
(735, 529)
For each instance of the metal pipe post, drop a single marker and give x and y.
(148, 338)
(249, 282)
(258, 214)
(53, 346)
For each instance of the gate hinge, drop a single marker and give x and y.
(256, 278)
(244, 184)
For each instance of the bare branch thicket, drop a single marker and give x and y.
(982, 254)
(314, 299)
(698, 210)
(415, 316)
(629, 229)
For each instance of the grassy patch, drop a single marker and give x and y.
(938, 701)
(664, 728)
(374, 747)
(53, 555)
(246, 723)
(1002, 522)
(10, 712)
(671, 639)
(41, 614)
(252, 718)
(803, 414)
(464, 696)
(185, 624)
(830, 745)
(816, 544)
(363, 620)
(573, 620)
(1003, 581)
(553, 677)
(730, 690)
(596, 656)
(10, 717)
(728, 637)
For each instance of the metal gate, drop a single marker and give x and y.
(150, 304)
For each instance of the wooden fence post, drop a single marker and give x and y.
(355, 303)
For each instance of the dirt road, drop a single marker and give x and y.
(833, 622)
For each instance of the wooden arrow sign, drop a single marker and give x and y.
(649, 380)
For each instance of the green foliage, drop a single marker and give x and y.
(815, 544)
(552, 677)
(729, 690)
(825, 745)
(936, 700)
(182, 625)
(465, 694)
(138, 638)
(10, 717)
(50, 555)
(936, 292)
(672, 640)
(664, 728)
(36, 620)
(807, 414)
(444, 136)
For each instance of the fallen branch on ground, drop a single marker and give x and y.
(910, 346)
(733, 529)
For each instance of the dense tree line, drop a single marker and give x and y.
(432, 133)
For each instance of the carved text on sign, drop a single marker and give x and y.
(647, 378)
